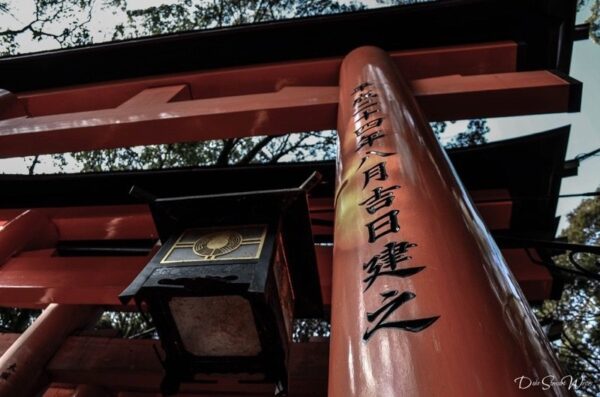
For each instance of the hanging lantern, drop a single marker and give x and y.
(233, 272)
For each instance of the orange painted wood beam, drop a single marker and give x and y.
(109, 222)
(23, 364)
(496, 215)
(59, 392)
(122, 222)
(36, 278)
(6, 340)
(157, 96)
(29, 230)
(534, 280)
(505, 94)
(291, 109)
(497, 57)
(11, 106)
(132, 366)
(32, 281)
(247, 115)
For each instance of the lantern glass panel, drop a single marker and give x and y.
(215, 326)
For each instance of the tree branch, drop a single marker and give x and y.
(228, 145)
(581, 354)
(35, 162)
(257, 148)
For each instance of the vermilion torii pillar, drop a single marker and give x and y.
(423, 302)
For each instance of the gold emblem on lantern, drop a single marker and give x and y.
(203, 245)
(216, 244)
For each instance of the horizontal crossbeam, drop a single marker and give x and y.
(36, 278)
(470, 59)
(291, 109)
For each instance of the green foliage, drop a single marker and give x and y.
(189, 15)
(475, 134)
(65, 22)
(578, 309)
(584, 228)
(16, 320)
(307, 328)
(269, 149)
(593, 19)
(128, 325)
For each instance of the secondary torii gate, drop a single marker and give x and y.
(420, 292)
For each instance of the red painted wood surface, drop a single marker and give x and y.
(496, 215)
(534, 280)
(11, 106)
(28, 229)
(499, 57)
(460, 326)
(23, 364)
(6, 340)
(291, 109)
(110, 222)
(34, 281)
(131, 366)
(200, 119)
(135, 221)
(157, 96)
(505, 94)
(59, 392)
(37, 277)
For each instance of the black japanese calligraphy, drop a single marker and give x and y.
(374, 123)
(377, 172)
(387, 223)
(361, 87)
(389, 308)
(366, 114)
(369, 139)
(393, 260)
(364, 99)
(377, 153)
(386, 263)
(379, 199)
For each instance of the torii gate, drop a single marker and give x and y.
(442, 315)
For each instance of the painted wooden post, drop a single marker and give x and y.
(22, 366)
(423, 303)
(31, 228)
